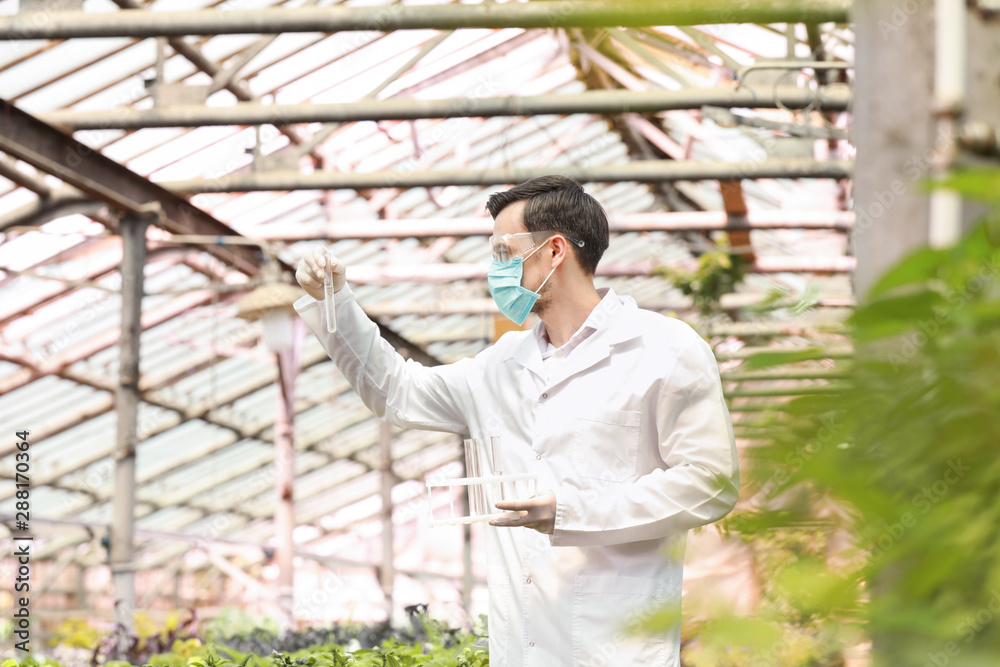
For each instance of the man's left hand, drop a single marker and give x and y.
(537, 512)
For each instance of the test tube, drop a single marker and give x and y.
(497, 465)
(477, 489)
(470, 471)
(328, 300)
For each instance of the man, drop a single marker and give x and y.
(618, 411)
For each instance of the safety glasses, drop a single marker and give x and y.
(511, 246)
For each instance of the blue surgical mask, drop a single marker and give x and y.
(504, 280)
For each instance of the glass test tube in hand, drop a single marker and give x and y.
(328, 300)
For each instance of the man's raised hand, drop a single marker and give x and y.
(312, 269)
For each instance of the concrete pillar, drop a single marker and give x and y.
(893, 130)
(896, 128)
(133, 232)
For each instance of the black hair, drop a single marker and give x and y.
(559, 204)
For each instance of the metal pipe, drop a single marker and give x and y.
(684, 221)
(950, 19)
(794, 64)
(24, 137)
(643, 171)
(833, 98)
(284, 455)
(433, 273)
(62, 202)
(133, 231)
(387, 573)
(385, 18)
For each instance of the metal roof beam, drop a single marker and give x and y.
(266, 496)
(436, 273)
(64, 201)
(9, 170)
(47, 149)
(491, 54)
(553, 14)
(228, 80)
(643, 171)
(341, 500)
(684, 221)
(183, 501)
(55, 364)
(61, 368)
(102, 257)
(833, 98)
(418, 499)
(203, 414)
(448, 455)
(350, 497)
(196, 540)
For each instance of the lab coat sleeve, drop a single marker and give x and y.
(401, 391)
(699, 485)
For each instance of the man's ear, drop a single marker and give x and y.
(560, 249)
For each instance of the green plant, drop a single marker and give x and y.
(75, 632)
(211, 660)
(717, 274)
(788, 629)
(904, 459)
(176, 637)
(233, 621)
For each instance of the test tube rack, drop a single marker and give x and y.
(483, 489)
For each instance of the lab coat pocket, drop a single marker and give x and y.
(603, 609)
(606, 444)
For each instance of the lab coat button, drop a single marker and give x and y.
(531, 643)
(538, 456)
(545, 395)
(528, 580)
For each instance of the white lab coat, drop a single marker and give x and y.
(631, 432)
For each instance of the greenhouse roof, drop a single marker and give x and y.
(417, 255)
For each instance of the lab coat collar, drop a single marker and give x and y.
(611, 317)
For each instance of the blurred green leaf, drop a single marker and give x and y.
(904, 461)
(917, 267)
(741, 632)
(980, 183)
(780, 357)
